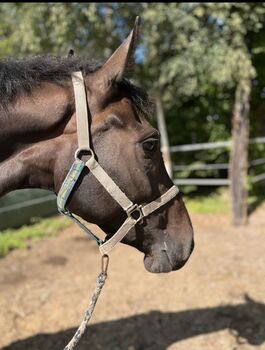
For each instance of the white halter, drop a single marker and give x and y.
(134, 212)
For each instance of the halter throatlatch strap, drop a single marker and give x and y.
(134, 212)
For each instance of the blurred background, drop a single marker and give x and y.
(203, 63)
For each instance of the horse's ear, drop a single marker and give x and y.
(99, 83)
(121, 61)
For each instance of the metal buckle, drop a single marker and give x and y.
(135, 212)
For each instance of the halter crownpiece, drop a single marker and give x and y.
(134, 211)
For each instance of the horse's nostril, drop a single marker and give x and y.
(165, 248)
(192, 246)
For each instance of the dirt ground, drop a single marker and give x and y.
(217, 301)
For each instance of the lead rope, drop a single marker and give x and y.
(101, 279)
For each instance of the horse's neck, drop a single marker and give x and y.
(29, 136)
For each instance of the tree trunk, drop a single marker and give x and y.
(238, 169)
(164, 136)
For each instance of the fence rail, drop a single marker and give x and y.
(15, 215)
(201, 166)
(258, 178)
(218, 166)
(210, 145)
(202, 182)
(256, 162)
(200, 146)
(28, 203)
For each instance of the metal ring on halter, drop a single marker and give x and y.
(135, 212)
(79, 150)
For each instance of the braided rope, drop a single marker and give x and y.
(101, 279)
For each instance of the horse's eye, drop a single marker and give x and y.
(150, 145)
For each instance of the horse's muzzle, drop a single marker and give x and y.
(166, 260)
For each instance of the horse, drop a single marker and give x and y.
(38, 138)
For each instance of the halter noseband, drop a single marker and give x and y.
(134, 211)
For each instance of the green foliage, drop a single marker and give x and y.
(37, 28)
(217, 203)
(11, 239)
(197, 46)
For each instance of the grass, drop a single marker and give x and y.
(216, 203)
(220, 203)
(23, 237)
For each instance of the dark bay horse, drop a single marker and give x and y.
(38, 140)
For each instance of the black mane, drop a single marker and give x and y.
(21, 76)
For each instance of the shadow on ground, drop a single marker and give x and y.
(157, 330)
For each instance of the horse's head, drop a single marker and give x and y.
(127, 147)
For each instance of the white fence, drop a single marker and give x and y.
(214, 166)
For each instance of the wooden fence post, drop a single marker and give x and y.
(164, 136)
(238, 169)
